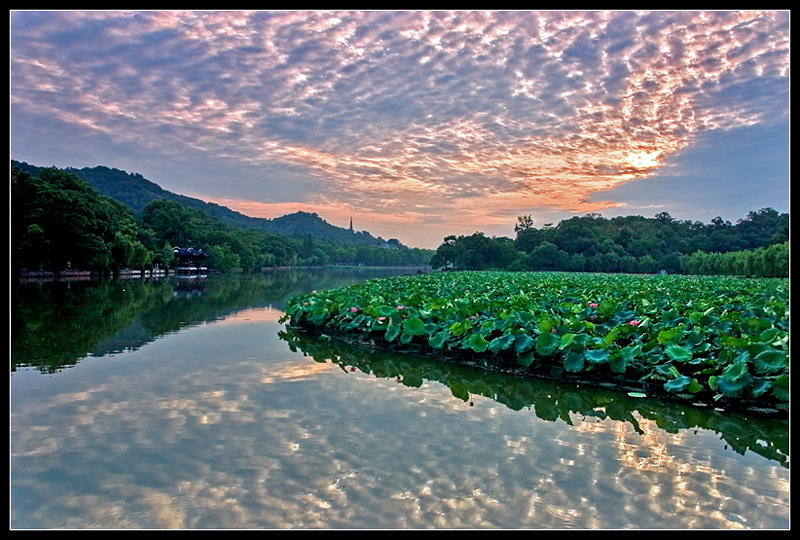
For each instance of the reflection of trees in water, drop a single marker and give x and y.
(650, 418)
(55, 324)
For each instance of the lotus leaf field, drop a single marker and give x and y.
(721, 339)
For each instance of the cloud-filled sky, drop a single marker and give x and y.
(417, 124)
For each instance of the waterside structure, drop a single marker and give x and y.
(191, 262)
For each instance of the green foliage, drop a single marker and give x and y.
(96, 317)
(60, 218)
(687, 335)
(136, 192)
(61, 221)
(474, 252)
(755, 246)
(768, 261)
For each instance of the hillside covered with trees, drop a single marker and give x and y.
(59, 221)
(136, 192)
(757, 245)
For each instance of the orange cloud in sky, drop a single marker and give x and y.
(602, 146)
(415, 118)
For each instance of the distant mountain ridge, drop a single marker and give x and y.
(135, 191)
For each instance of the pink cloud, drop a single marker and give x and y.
(390, 112)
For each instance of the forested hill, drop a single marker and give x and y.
(135, 191)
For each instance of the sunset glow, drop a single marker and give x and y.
(418, 123)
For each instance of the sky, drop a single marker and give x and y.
(417, 124)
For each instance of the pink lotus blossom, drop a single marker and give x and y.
(592, 304)
(634, 323)
(381, 319)
(401, 307)
(354, 310)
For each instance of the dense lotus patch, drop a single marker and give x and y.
(720, 336)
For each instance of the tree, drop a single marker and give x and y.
(577, 235)
(547, 256)
(523, 223)
(446, 254)
(763, 227)
(223, 258)
(173, 222)
(62, 222)
(474, 252)
(664, 217)
(528, 239)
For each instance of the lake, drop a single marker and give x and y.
(159, 404)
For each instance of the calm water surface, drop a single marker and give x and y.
(176, 404)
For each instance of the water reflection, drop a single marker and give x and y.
(552, 400)
(57, 323)
(208, 419)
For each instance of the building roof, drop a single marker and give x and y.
(189, 253)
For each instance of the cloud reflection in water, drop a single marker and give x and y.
(222, 426)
